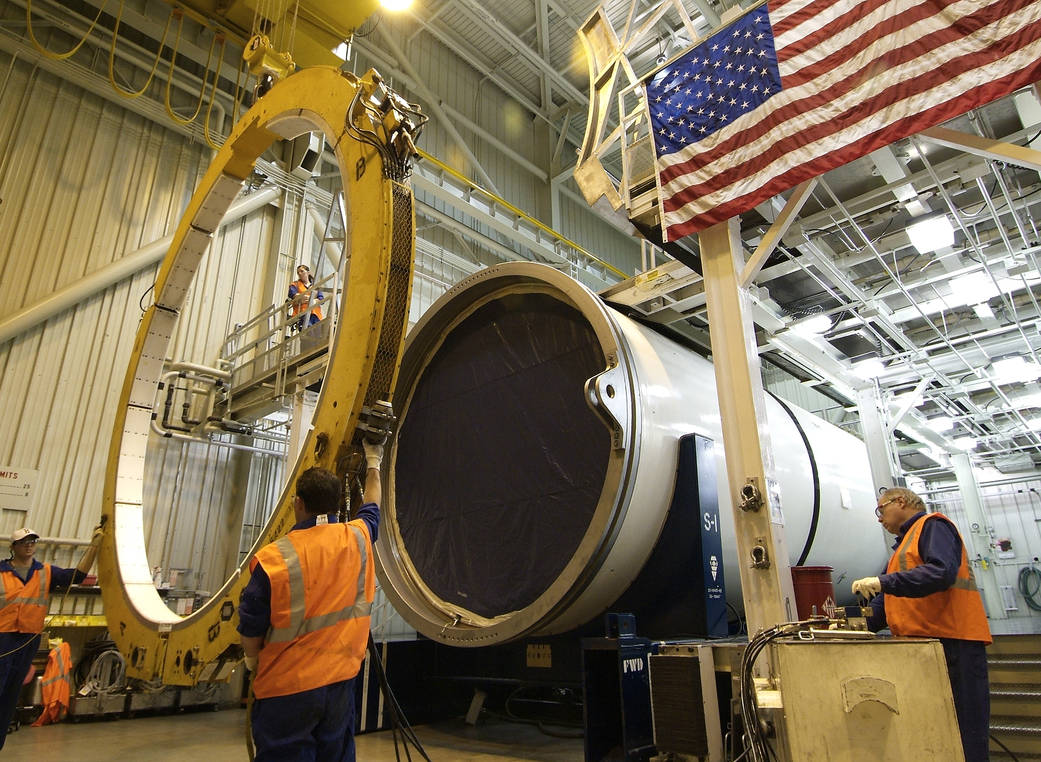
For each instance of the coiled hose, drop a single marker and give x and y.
(1030, 585)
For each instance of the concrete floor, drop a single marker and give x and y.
(210, 736)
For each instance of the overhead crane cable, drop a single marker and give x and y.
(131, 94)
(49, 53)
(213, 96)
(205, 76)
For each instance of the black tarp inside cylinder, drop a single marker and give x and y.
(500, 462)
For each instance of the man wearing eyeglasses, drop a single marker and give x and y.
(928, 591)
(27, 587)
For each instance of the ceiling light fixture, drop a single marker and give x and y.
(868, 369)
(1013, 368)
(965, 443)
(814, 325)
(396, 5)
(940, 423)
(931, 233)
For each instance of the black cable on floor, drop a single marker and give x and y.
(1007, 750)
(397, 716)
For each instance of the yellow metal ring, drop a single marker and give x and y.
(363, 364)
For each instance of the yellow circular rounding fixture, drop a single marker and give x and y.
(371, 130)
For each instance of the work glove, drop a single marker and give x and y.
(373, 455)
(251, 663)
(867, 588)
(99, 533)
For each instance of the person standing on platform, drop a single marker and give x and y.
(300, 297)
(928, 591)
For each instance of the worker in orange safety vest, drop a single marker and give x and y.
(928, 591)
(300, 297)
(304, 621)
(27, 587)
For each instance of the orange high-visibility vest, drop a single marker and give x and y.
(322, 587)
(299, 309)
(956, 612)
(55, 686)
(24, 605)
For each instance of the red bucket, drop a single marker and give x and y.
(813, 587)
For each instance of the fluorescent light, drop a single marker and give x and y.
(814, 325)
(1007, 370)
(965, 443)
(983, 311)
(868, 369)
(396, 5)
(940, 423)
(971, 288)
(931, 234)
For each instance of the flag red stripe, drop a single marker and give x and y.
(787, 23)
(908, 125)
(913, 48)
(775, 120)
(835, 27)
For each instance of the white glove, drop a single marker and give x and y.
(867, 588)
(373, 455)
(251, 663)
(99, 533)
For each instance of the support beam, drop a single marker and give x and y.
(985, 147)
(773, 236)
(878, 438)
(977, 539)
(766, 580)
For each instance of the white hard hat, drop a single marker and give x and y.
(21, 534)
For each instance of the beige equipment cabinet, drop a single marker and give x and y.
(864, 701)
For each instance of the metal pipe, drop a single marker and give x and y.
(86, 287)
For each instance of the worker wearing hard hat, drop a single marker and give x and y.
(928, 591)
(304, 620)
(27, 587)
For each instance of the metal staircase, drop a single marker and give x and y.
(1014, 662)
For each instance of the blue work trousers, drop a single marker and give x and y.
(17, 650)
(967, 668)
(311, 726)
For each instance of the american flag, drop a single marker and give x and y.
(797, 87)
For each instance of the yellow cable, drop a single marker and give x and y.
(112, 57)
(169, 79)
(213, 95)
(48, 53)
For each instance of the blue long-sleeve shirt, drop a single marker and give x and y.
(255, 605)
(940, 546)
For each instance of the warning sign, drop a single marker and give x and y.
(16, 488)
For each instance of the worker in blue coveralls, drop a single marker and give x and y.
(27, 587)
(304, 621)
(928, 591)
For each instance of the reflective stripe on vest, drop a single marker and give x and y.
(298, 622)
(24, 605)
(956, 612)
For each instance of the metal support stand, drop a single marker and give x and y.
(977, 539)
(878, 437)
(766, 580)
